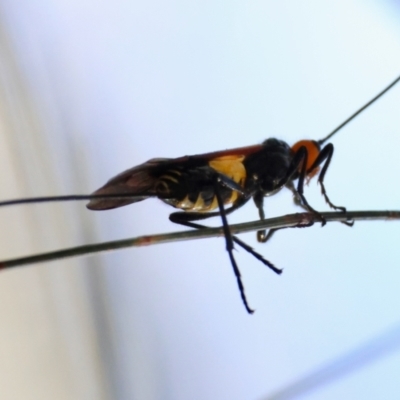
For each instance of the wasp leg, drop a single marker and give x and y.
(296, 197)
(262, 235)
(230, 184)
(229, 247)
(186, 218)
(326, 155)
(175, 218)
(300, 159)
(229, 244)
(257, 255)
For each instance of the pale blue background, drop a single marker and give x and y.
(125, 81)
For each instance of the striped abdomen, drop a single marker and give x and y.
(192, 189)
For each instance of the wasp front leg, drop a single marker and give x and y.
(325, 157)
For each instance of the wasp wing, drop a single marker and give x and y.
(138, 183)
(206, 157)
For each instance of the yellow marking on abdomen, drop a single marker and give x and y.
(214, 204)
(230, 166)
(197, 206)
(185, 204)
(233, 198)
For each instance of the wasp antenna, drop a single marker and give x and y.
(359, 111)
(72, 197)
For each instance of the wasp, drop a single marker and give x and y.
(218, 183)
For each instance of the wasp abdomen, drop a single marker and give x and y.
(193, 189)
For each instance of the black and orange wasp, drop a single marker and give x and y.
(202, 185)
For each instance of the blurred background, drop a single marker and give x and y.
(89, 89)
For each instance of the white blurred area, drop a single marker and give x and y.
(88, 89)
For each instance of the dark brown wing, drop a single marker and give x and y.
(138, 181)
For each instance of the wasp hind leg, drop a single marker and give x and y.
(181, 218)
(186, 219)
(229, 246)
